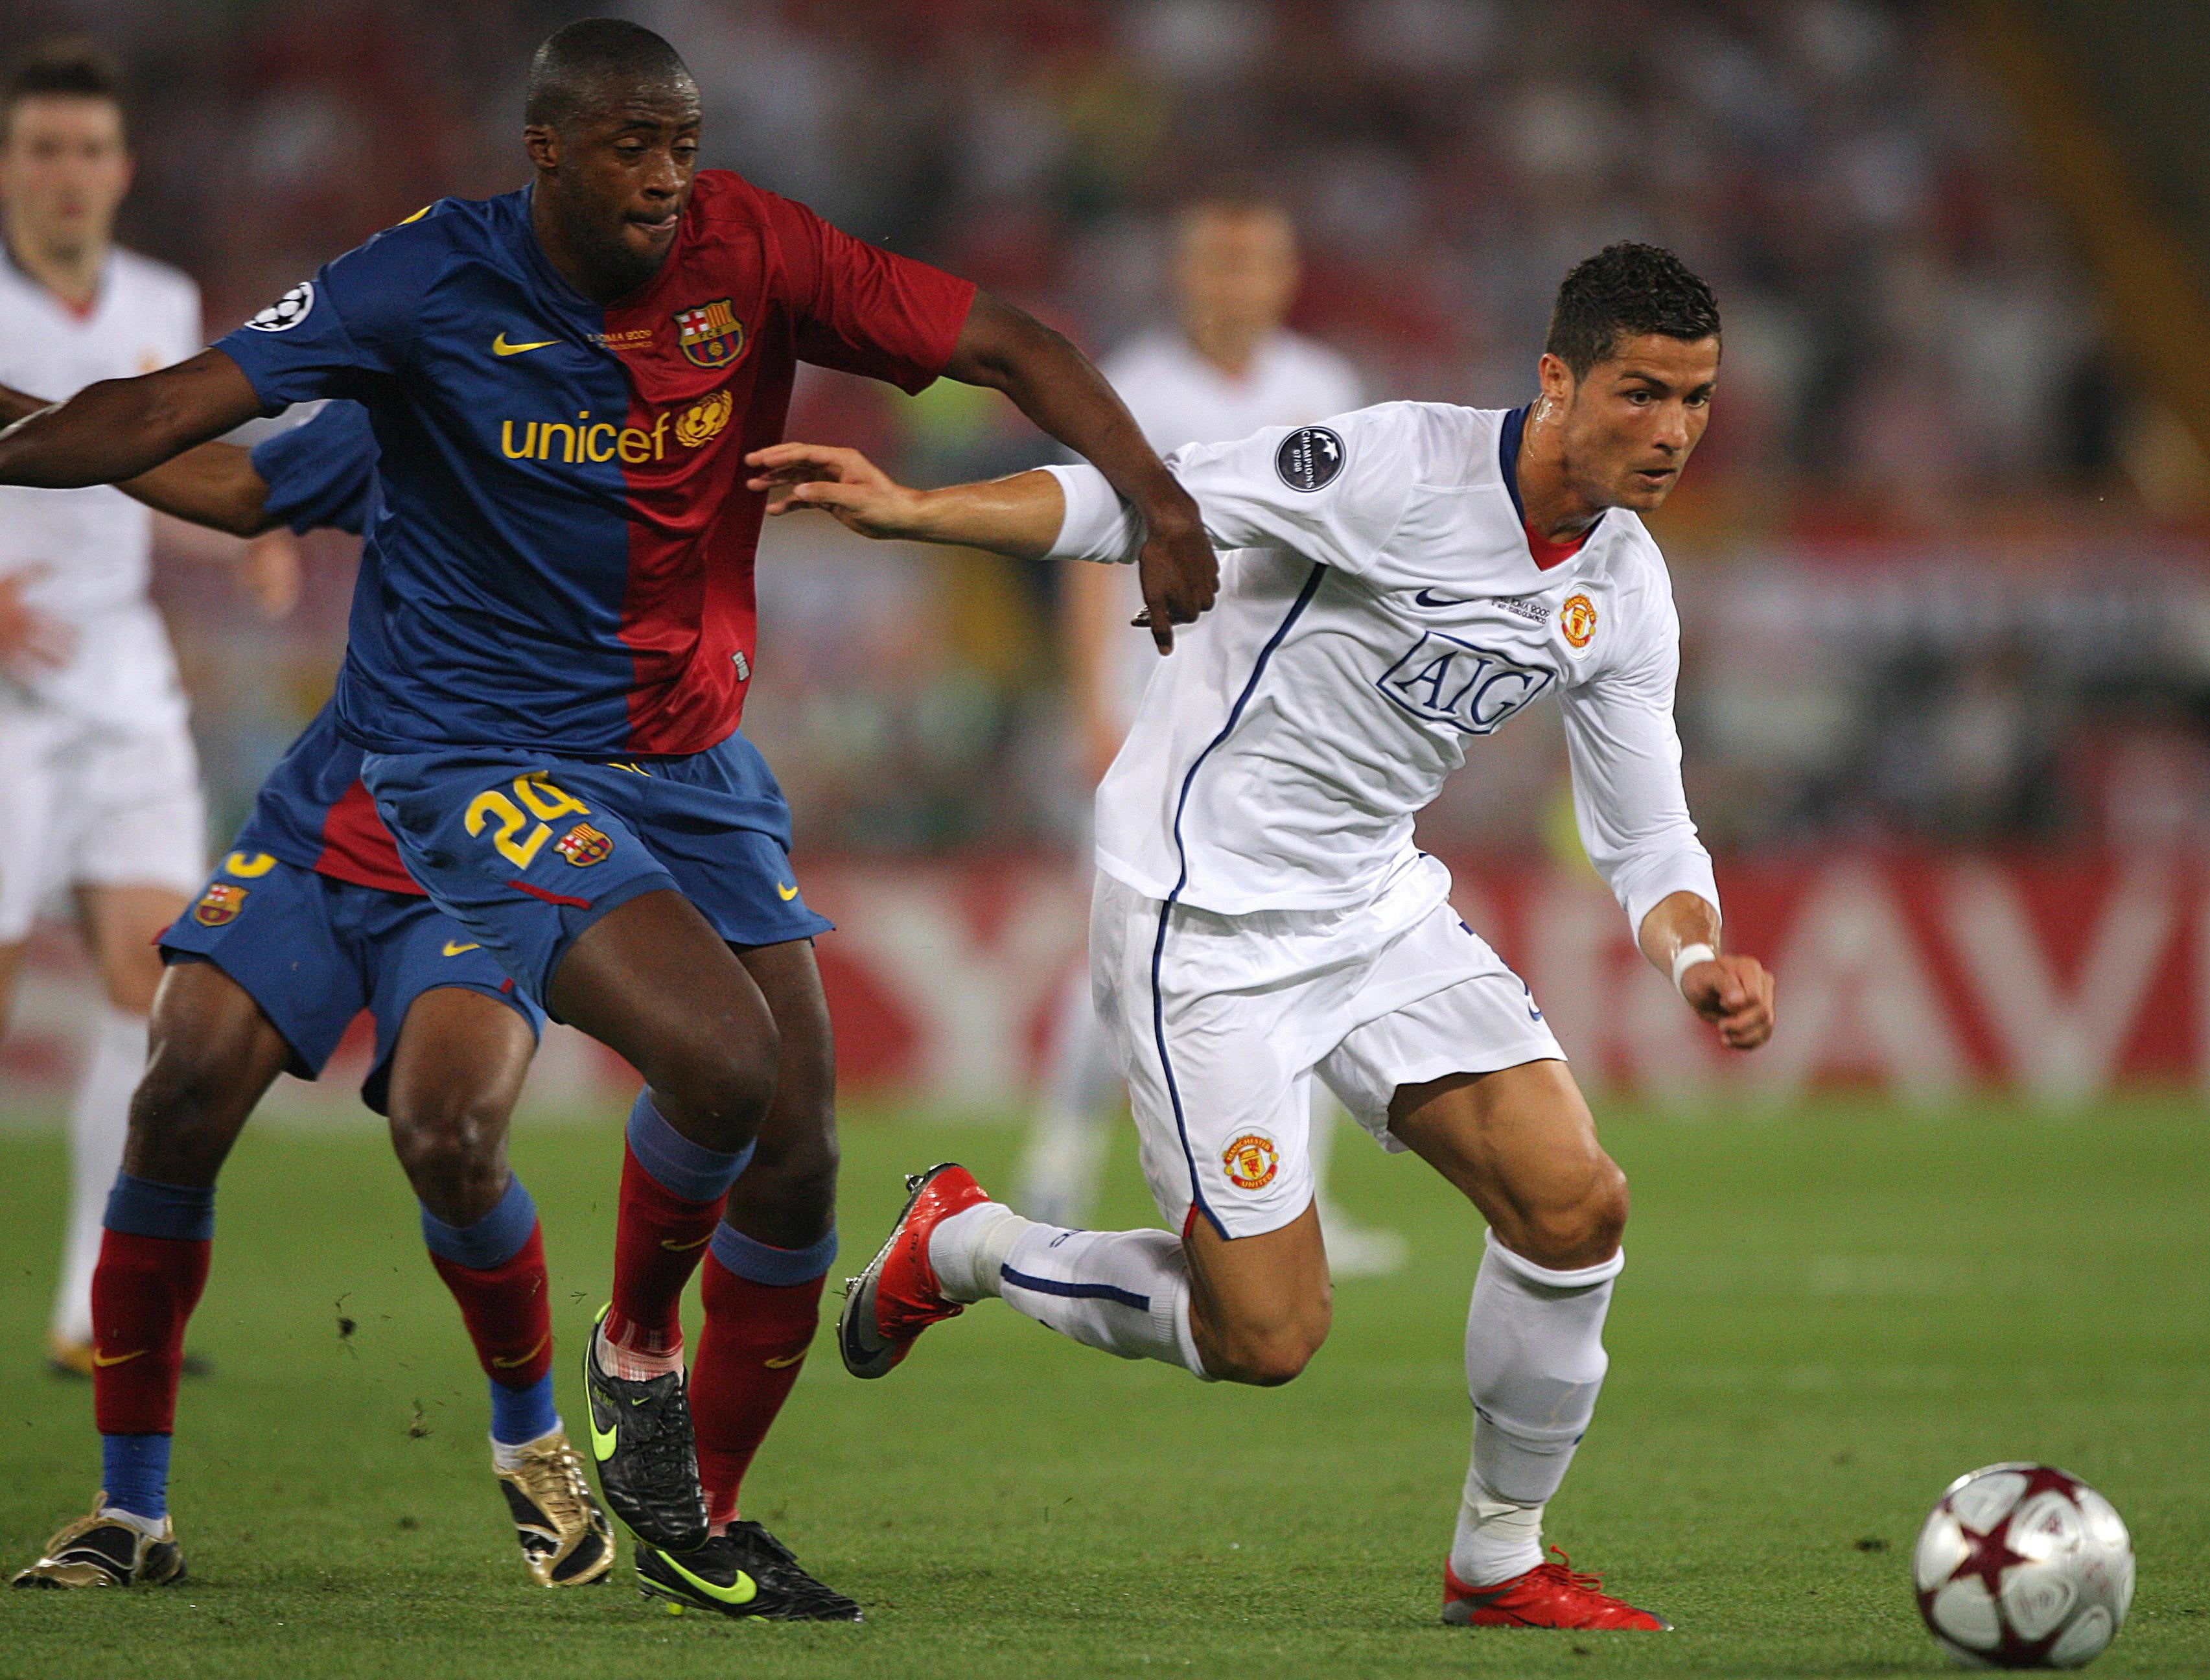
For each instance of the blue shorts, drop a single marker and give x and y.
(314, 952)
(526, 850)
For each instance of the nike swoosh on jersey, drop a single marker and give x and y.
(1429, 598)
(455, 948)
(786, 893)
(104, 1361)
(500, 346)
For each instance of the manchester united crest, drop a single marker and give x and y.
(583, 845)
(1250, 1161)
(218, 905)
(710, 335)
(1577, 620)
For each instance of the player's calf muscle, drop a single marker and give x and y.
(788, 1196)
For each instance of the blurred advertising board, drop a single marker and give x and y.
(1927, 975)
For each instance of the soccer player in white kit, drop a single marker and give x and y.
(1227, 368)
(98, 782)
(1395, 581)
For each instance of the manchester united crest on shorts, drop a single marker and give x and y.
(583, 845)
(710, 335)
(218, 905)
(1250, 1161)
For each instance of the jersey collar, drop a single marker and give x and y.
(1507, 462)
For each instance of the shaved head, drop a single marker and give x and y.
(593, 63)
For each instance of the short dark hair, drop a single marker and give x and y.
(72, 68)
(570, 72)
(1625, 291)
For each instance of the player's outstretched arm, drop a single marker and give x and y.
(1056, 386)
(1733, 992)
(1019, 516)
(213, 485)
(119, 428)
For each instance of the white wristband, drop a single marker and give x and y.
(1687, 958)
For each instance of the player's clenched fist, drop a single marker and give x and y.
(1735, 993)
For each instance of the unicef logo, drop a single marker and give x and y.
(287, 311)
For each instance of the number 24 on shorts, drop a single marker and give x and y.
(541, 798)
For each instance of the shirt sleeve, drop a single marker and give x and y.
(1333, 493)
(863, 310)
(1628, 798)
(322, 475)
(341, 333)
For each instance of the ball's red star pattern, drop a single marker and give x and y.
(1988, 1555)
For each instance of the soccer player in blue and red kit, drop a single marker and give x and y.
(309, 920)
(552, 631)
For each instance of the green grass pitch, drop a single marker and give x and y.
(1824, 1317)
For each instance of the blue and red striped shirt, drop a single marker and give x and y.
(562, 555)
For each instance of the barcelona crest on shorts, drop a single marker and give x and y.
(583, 845)
(218, 905)
(710, 335)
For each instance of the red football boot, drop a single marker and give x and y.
(888, 1305)
(1549, 1595)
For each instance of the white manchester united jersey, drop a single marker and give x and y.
(95, 543)
(1179, 397)
(1379, 607)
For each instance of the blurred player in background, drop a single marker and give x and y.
(1396, 584)
(1227, 368)
(98, 781)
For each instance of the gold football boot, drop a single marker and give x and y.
(99, 1551)
(566, 1539)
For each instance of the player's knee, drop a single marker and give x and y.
(800, 1169)
(183, 1115)
(449, 1145)
(1267, 1356)
(723, 1086)
(1585, 1231)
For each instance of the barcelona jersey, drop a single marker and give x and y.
(313, 811)
(562, 556)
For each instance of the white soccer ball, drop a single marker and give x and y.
(2021, 1566)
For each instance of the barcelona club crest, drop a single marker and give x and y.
(583, 845)
(710, 335)
(218, 905)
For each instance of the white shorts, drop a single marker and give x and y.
(1222, 1022)
(85, 803)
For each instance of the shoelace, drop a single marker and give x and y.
(1562, 1574)
(567, 1495)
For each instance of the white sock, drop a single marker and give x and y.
(1534, 1365)
(507, 1455)
(967, 1250)
(632, 1366)
(1127, 1292)
(154, 1527)
(1082, 1088)
(99, 1122)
